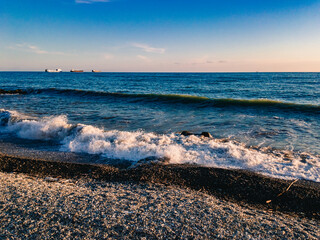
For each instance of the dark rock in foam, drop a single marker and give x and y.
(206, 134)
(203, 134)
(186, 133)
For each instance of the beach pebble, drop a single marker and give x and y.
(51, 179)
(33, 208)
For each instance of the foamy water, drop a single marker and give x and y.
(178, 149)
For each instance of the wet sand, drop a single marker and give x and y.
(48, 199)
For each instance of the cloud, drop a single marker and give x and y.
(149, 49)
(34, 49)
(143, 58)
(201, 60)
(90, 1)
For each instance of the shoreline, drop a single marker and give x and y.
(297, 198)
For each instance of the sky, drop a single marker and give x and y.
(160, 35)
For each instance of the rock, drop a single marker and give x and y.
(304, 157)
(203, 134)
(206, 134)
(186, 133)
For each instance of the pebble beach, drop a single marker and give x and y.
(52, 208)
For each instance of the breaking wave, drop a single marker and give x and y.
(178, 149)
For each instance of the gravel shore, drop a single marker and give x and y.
(295, 197)
(52, 208)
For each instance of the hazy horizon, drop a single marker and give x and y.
(89, 71)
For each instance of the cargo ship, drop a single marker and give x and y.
(74, 70)
(53, 71)
(96, 71)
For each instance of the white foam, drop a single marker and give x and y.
(47, 128)
(179, 149)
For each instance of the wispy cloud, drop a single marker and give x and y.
(91, 1)
(34, 49)
(201, 60)
(148, 48)
(143, 58)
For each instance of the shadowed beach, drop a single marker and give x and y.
(72, 200)
(240, 186)
(238, 197)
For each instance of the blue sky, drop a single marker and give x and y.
(160, 35)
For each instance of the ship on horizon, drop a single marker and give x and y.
(96, 71)
(53, 70)
(75, 70)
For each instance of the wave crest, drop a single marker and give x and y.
(47, 128)
(200, 101)
(139, 145)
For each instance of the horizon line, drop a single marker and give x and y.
(89, 71)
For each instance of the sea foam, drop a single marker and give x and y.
(138, 145)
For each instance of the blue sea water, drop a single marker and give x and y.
(266, 122)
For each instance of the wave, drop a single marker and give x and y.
(152, 97)
(12, 92)
(188, 99)
(174, 147)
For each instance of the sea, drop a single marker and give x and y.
(263, 122)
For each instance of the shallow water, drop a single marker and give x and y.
(266, 122)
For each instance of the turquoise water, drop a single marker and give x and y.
(274, 114)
